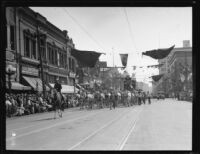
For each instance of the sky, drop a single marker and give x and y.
(115, 30)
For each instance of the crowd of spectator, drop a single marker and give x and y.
(25, 104)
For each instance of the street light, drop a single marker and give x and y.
(10, 70)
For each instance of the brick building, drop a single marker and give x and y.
(33, 42)
(177, 70)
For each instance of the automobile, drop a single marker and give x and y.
(161, 96)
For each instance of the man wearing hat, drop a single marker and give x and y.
(58, 86)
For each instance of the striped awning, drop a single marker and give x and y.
(35, 83)
(17, 86)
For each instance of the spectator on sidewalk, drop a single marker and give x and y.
(8, 106)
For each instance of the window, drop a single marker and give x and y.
(65, 61)
(56, 57)
(33, 48)
(29, 45)
(42, 48)
(12, 37)
(73, 66)
(70, 64)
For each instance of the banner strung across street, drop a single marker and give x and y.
(86, 58)
(159, 53)
(157, 77)
(124, 58)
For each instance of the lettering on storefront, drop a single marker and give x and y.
(29, 71)
(58, 71)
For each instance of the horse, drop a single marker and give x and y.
(57, 101)
(90, 100)
(99, 99)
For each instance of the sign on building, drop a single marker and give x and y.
(30, 71)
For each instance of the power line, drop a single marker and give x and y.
(83, 28)
(129, 26)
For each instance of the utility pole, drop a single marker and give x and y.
(41, 62)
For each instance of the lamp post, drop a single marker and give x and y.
(10, 70)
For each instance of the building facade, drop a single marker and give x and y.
(177, 75)
(34, 45)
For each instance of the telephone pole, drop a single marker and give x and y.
(41, 62)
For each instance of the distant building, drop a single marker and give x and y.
(177, 70)
(143, 86)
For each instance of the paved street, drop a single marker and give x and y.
(163, 125)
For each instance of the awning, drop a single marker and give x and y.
(66, 88)
(17, 86)
(35, 83)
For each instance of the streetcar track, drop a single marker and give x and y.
(57, 124)
(44, 128)
(98, 130)
(129, 133)
(43, 122)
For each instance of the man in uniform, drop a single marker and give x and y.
(58, 86)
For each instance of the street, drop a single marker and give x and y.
(162, 125)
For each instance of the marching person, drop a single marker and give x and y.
(149, 97)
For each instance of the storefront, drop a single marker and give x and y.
(30, 77)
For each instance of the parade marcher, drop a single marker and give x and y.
(149, 97)
(112, 100)
(139, 98)
(144, 97)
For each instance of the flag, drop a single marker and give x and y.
(157, 77)
(86, 58)
(124, 58)
(159, 53)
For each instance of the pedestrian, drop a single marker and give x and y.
(8, 106)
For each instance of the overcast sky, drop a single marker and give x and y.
(131, 30)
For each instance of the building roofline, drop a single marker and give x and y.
(47, 22)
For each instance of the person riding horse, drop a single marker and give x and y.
(58, 88)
